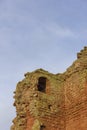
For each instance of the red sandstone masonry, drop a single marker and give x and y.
(45, 101)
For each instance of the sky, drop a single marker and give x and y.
(37, 34)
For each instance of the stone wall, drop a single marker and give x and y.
(76, 93)
(45, 101)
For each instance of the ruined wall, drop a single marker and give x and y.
(38, 109)
(76, 93)
(45, 101)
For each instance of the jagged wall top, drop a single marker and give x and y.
(82, 53)
(79, 64)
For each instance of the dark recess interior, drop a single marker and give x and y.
(42, 84)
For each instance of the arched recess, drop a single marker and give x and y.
(42, 84)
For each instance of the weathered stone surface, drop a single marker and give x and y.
(46, 101)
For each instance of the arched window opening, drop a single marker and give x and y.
(42, 84)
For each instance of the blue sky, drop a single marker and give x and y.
(37, 34)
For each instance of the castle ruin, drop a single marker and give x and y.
(46, 101)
